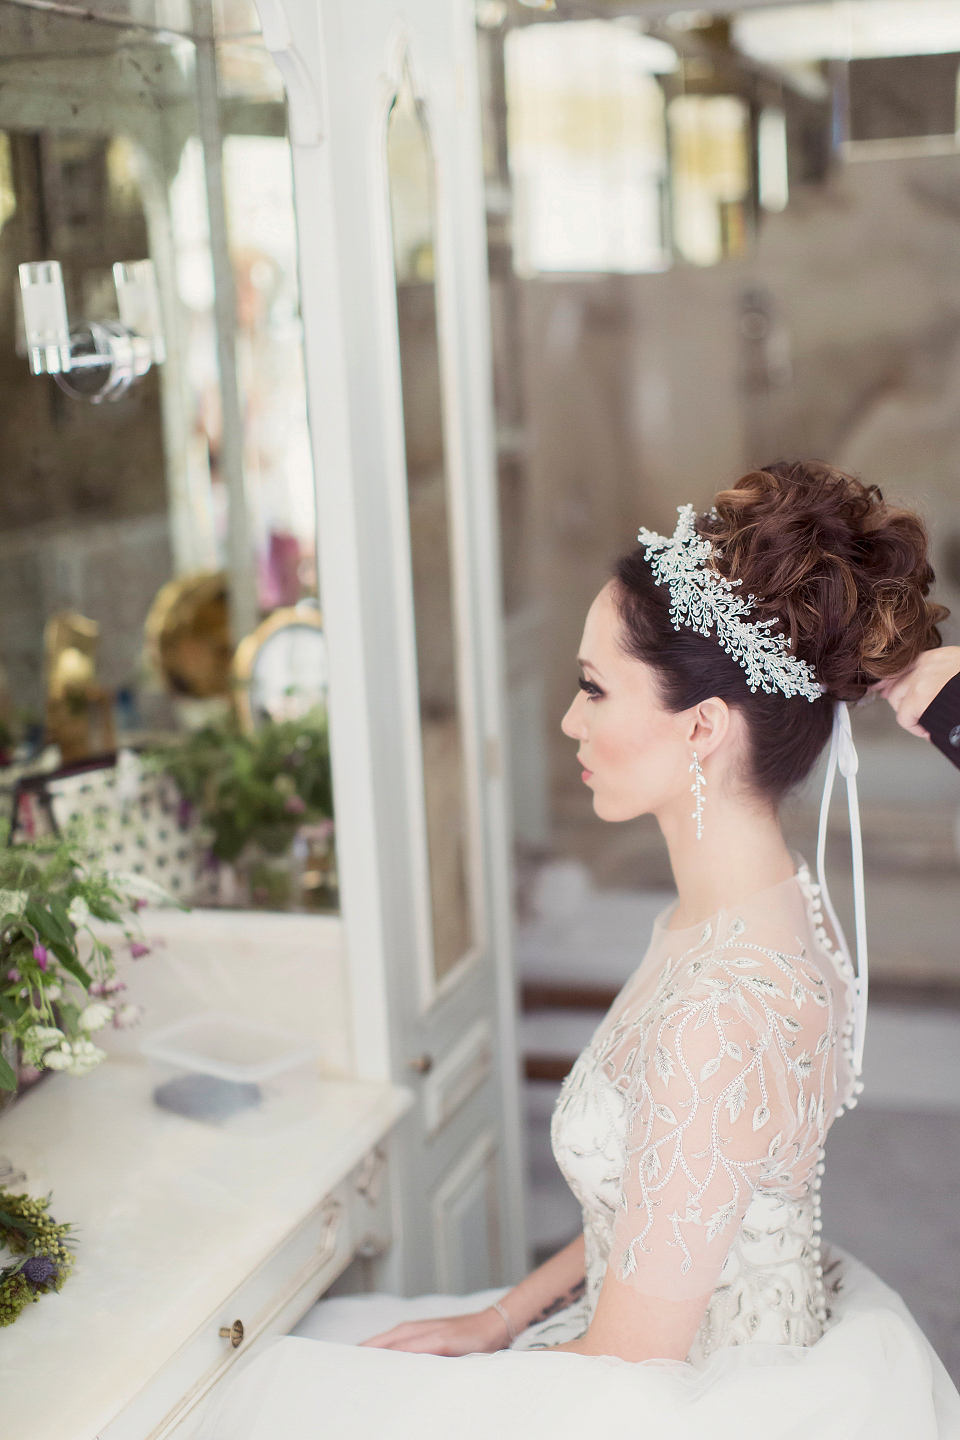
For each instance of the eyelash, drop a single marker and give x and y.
(593, 692)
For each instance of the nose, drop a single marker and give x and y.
(572, 723)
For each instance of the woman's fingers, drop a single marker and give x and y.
(448, 1335)
(429, 1343)
(390, 1338)
(910, 693)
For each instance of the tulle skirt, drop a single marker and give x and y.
(873, 1376)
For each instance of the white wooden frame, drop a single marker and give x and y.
(294, 32)
(401, 57)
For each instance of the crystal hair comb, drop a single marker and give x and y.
(706, 601)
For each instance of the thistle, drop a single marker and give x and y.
(41, 1246)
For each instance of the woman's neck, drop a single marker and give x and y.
(741, 851)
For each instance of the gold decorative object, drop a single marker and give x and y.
(233, 1333)
(79, 711)
(280, 670)
(188, 635)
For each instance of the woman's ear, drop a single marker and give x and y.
(709, 726)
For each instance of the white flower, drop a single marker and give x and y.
(79, 911)
(95, 1016)
(76, 1057)
(86, 1057)
(42, 1035)
(60, 1059)
(38, 1039)
(13, 902)
(53, 991)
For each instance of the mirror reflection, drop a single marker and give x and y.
(156, 501)
(410, 168)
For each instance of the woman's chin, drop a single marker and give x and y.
(607, 809)
(612, 808)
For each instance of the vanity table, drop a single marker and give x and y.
(194, 1236)
(197, 1242)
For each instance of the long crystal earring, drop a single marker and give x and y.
(699, 781)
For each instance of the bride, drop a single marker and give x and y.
(699, 1301)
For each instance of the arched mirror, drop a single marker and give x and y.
(410, 167)
(145, 538)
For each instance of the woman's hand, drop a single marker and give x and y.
(911, 693)
(554, 1284)
(481, 1332)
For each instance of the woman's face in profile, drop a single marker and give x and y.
(632, 750)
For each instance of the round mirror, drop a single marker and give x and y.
(281, 668)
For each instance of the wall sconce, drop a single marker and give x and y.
(101, 358)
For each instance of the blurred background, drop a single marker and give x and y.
(719, 237)
(716, 237)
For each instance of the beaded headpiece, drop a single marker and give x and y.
(706, 601)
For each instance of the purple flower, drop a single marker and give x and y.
(126, 1015)
(137, 949)
(40, 955)
(100, 988)
(13, 975)
(294, 805)
(39, 1270)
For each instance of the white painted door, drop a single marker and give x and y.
(385, 128)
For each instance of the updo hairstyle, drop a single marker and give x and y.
(845, 574)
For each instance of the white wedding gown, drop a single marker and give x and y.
(691, 1131)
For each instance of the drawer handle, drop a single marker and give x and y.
(233, 1333)
(421, 1064)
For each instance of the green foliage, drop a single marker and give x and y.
(257, 787)
(49, 893)
(28, 1232)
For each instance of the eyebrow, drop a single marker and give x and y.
(588, 665)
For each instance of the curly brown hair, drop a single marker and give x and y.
(845, 574)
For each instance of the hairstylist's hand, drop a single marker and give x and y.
(911, 692)
(480, 1332)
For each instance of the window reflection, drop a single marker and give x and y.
(588, 152)
(710, 154)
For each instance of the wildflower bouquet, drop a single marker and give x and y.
(38, 1246)
(58, 984)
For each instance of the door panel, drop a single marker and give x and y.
(388, 182)
(466, 1221)
(458, 1076)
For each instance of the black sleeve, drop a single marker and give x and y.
(942, 719)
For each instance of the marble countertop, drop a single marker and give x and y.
(171, 1216)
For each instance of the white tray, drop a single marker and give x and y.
(228, 1046)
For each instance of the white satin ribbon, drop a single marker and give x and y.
(843, 753)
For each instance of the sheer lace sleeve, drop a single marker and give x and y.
(729, 1081)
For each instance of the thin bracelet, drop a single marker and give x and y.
(506, 1320)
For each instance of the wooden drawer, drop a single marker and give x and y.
(354, 1217)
